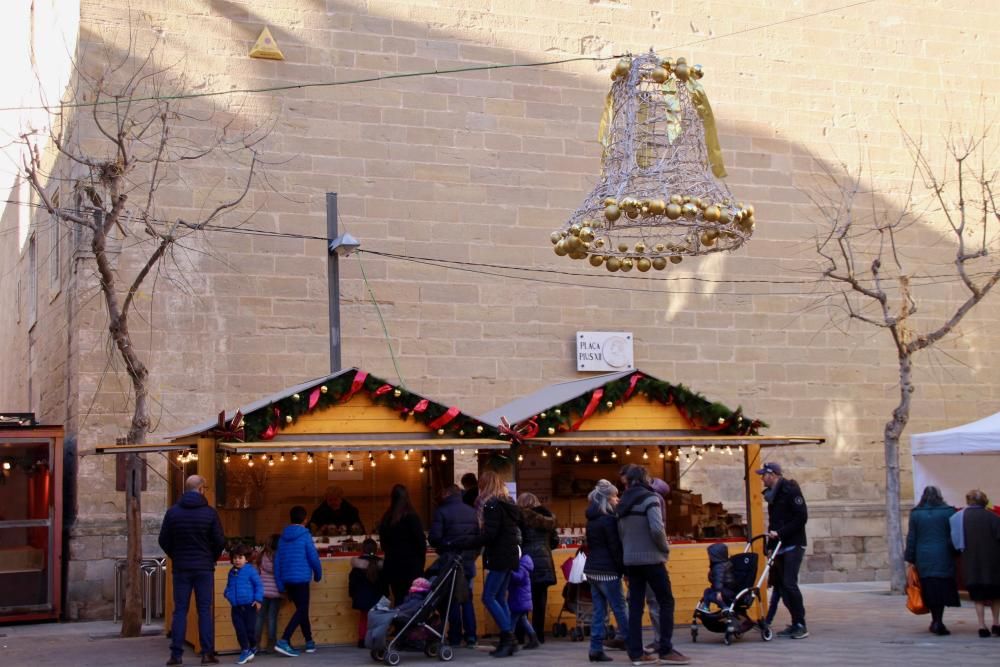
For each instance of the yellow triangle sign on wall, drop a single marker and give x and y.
(266, 47)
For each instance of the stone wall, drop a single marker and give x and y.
(479, 167)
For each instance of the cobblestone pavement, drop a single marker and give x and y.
(850, 624)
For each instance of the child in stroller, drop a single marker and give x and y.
(734, 592)
(418, 622)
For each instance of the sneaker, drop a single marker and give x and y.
(650, 649)
(174, 661)
(799, 631)
(209, 659)
(310, 646)
(787, 632)
(674, 658)
(245, 657)
(644, 659)
(284, 648)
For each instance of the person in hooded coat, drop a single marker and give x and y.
(295, 565)
(720, 577)
(538, 539)
(604, 569)
(191, 536)
(403, 543)
(929, 549)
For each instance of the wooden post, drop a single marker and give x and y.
(755, 505)
(206, 467)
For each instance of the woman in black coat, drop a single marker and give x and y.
(403, 543)
(499, 536)
(981, 559)
(604, 569)
(538, 539)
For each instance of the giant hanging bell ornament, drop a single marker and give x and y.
(659, 198)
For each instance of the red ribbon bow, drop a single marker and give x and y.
(519, 432)
(233, 430)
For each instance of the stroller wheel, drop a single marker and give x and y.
(766, 634)
(445, 654)
(431, 649)
(378, 654)
(391, 658)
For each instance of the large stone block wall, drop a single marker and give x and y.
(479, 167)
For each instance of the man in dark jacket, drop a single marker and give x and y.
(644, 544)
(191, 536)
(786, 522)
(453, 528)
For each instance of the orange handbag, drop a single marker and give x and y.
(914, 597)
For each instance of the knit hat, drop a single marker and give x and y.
(420, 585)
(606, 488)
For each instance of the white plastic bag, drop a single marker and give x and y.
(576, 575)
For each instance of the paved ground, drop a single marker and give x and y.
(850, 624)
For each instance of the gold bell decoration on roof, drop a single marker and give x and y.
(659, 198)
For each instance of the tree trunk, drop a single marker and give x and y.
(893, 515)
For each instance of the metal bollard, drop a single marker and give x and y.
(148, 572)
(119, 589)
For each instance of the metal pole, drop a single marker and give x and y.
(333, 282)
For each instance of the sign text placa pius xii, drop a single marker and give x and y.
(604, 351)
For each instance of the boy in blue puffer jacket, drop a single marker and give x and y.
(296, 563)
(245, 593)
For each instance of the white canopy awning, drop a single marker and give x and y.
(979, 437)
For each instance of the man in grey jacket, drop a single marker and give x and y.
(644, 542)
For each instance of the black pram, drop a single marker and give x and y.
(733, 619)
(421, 625)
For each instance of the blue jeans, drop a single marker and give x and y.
(606, 593)
(202, 582)
(495, 598)
(657, 578)
(268, 613)
(462, 621)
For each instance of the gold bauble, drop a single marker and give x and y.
(697, 202)
(627, 264)
(644, 211)
(632, 213)
(612, 213)
(579, 254)
(681, 72)
(682, 60)
(706, 239)
(613, 264)
(560, 248)
(296, 397)
(712, 214)
(440, 431)
(676, 259)
(676, 199)
(640, 247)
(749, 209)
(397, 393)
(724, 216)
(586, 234)
(686, 198)
(574, 229)
(598, 243)
(609, 405)
(667, 64)
(659, 75)
(673, 211)
(690, 211)
(288, 419)
(610, 201)
(479, 429)
(622, 247)
(657, 206)
(551, 431)
(557, 411)
(712, 233)
(572, 243)
(596, 260)
(697, 72)
(623, 67)
(659, 263)
(323, 389)
(643, 264)
(659, 247)
(555, 237)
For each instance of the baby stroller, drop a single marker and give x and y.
(393, 630)
(577, 600)
(734, 620)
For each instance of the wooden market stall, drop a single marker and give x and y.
(31, 513)
(349, 429)
(573, 433)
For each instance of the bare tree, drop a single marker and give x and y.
(866, 248)
(128, 143)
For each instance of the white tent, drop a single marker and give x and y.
(959, 459)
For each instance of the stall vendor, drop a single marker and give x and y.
(336, 515)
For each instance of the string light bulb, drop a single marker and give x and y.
(423, 460)
(595, 458)
(406, 454)
(576, 458)
(628, 451)
(421, 468)
(309, 457)
(392, 456)
(246, 457)
(250, 463)
(645, 455)
(614, 454)
(444, 457)
(558, 452)
(270, 461)
(225, 459)
(729, 450)
(520, 457)
(295, 457)
(663, 454)
(329, 466)
(282, 457)
(350, 465)
(263, 457)
(545, 454)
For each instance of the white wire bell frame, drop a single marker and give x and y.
(657, 201)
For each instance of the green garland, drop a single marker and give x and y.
(702, 413)
(333, 391)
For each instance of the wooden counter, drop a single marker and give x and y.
(335, 622)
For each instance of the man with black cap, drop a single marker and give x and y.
(787, 516)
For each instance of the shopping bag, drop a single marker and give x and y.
(576, 575)
(914, 596)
